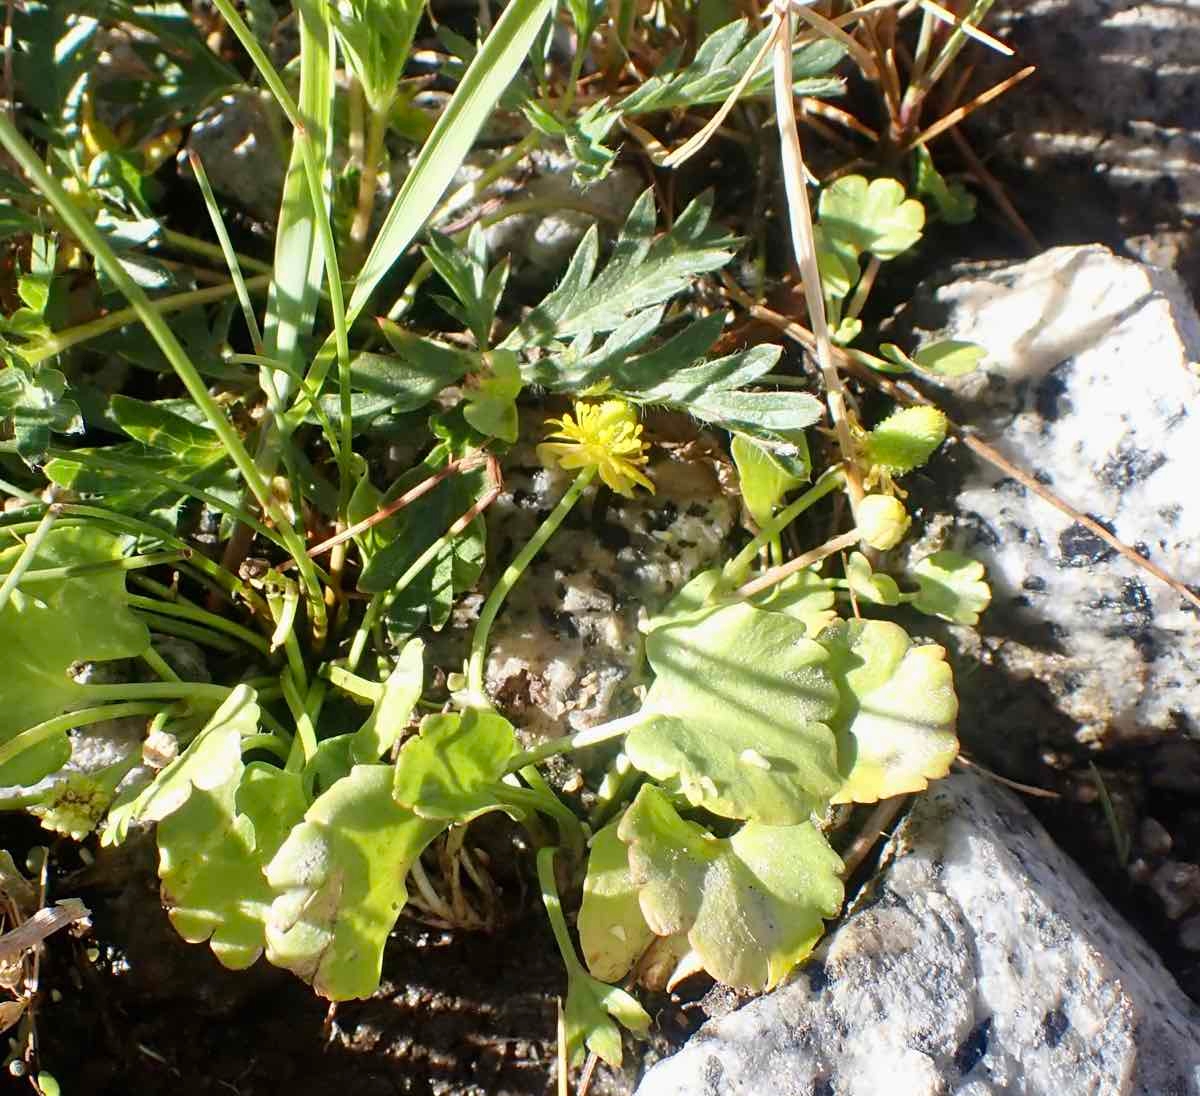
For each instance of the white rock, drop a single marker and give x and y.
(979, 961)
(1090, 384)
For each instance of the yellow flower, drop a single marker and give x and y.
(605, 436)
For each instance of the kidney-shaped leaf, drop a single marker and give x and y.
(340, 883)
(752, 905)
(874, 216)
(451, 770)
(738, 713)
(896, 722)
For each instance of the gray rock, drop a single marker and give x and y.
(243, 159)
(1090, 384)
(1112, 116)
(979, 961)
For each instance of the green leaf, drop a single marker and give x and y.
(591, 1008)
(953, 202)
(219, 823)
(951, 587)
(340, 885)
(895, 724)
(490, 72)
(160, 428)
(584, 137)
(805, 596)
(394, 708)
(868, 585)
(613, 934)
(949, 357)
(32, 402)
(384, 384)
(906, 439)
(752, 905)
(465, 270)
(376, 36)
(721, 61)
(490, 399)
(45, 631)
(738, 714)
(873, 217)
(773, 416)
(766, 475)
(642, 272)
(452, 769)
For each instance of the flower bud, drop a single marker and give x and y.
(882, 521)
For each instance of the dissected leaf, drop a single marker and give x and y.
(951, 587)
(490, 399)
(612, 931)
(874, 217)
(452, 769)
(476, 289)
(752, 905)
(394, 708)
(340, 885)
(641, 273)
(738, 714)
(33, 402)
(721, 61)
(953, 202)
(895, 724)
(47, 628)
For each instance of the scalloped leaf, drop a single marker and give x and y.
(453, 768)
(752, 905)
(394, 708)
(738, 714)
(613, 934)
(339, 882)
(951, 587)
(896, 722)
(874, 217)
(219, 822)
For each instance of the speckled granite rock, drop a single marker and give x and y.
(979, 961)
(565, 649)
(1091, 383)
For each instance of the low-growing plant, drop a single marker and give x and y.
(293, 798)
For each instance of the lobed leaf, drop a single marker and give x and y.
(874, 217)
(752, 905)
(951, 586)
(339, 882)
(895, 722)
(738, 714)
(613, 934)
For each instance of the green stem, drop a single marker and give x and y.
(358, 687)
(41, 732)
(25, 560)
(182, 242)
(558, 923)
(589, 736)
(169, 626)
(305, 711)
(85, 230)
(193, 613)
(377, 127)
(38, 352)
(159, 665)
(272, 743)
(737, 568)
(508, 580)
(158, 690)
(81, 570)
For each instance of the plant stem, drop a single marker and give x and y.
(775, 575)
(215, 621)
(368, 183)
(82, 570)
(270, 742)
(159, 665)
(25, 560)
(158, 690)
(558, 923)
(737, 568)
(183, 242)
(40, 732)
(88, 234)
(186, 630)
(38, 352)
(508, 580)
(589, 736)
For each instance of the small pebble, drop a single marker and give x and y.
(1178, 886)
(1189, 933)
(1154, 838)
